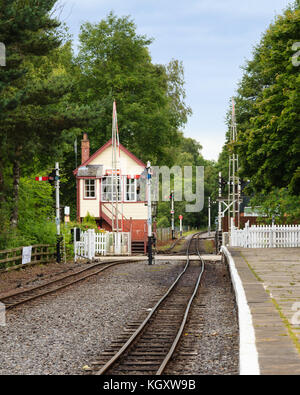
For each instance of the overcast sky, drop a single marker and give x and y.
(212, 38)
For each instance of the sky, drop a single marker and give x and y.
(213, 39)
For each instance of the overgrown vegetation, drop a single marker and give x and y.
(49, 96)
(268, 121)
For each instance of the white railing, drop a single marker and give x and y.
(108, 243)
(100, 243)
(275, 236)
(85, 248)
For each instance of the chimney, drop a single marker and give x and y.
(85, 148)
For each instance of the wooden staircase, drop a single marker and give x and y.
(108, 218)
(137, 247)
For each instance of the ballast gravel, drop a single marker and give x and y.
(64, 332)
(31, 276)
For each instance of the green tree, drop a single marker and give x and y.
(35, 131)
(35, 225)
(116, 65)
(189, 154)
(268, 104)
(268, 120)
(278, 205)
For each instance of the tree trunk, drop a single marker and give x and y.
(16, 183)
(1, 187)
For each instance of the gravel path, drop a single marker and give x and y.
(61, 333)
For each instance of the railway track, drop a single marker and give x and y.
(152, 343)
(170, 251)
(24, 296)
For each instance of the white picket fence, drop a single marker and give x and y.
(275, 236)
(108, 243)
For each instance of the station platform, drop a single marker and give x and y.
(267, 287)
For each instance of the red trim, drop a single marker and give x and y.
(100, 150)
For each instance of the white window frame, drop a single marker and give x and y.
(104, 184)
(133, 193)
(87, 188)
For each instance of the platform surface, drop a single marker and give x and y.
(161, 257)
(271, 280)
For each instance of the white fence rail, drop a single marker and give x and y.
(278, 236)
(109, 243)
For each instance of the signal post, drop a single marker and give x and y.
(53, 178)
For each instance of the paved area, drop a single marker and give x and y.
(207, 257)
(271, 280)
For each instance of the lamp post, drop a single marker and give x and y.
(180, 226)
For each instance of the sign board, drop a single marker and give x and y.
(26, 255)
(67, 210)
(172, 211)
(180, 216)
(113, 171)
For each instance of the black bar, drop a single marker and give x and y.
(173, 234)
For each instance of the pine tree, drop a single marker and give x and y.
(37, 114)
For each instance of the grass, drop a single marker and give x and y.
(252, 270)
(209, 246)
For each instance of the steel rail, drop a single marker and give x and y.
(179, 334)
(133, 337)
(168, 250)
(49, 283)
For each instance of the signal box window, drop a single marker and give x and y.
(131, 190)
(89, 189)
(109, 192)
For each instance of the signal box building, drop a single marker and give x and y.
(96, 194)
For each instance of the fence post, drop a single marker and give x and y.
(2, 314)
(91, 244)
(75, 249)
(271, 236)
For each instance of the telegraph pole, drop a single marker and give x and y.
(172, 215)
(233, 179)
(220, 203)
(57, 217)
(149, 221)
(53, 178)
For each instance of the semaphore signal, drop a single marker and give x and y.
(41, 178)
(53, 178)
